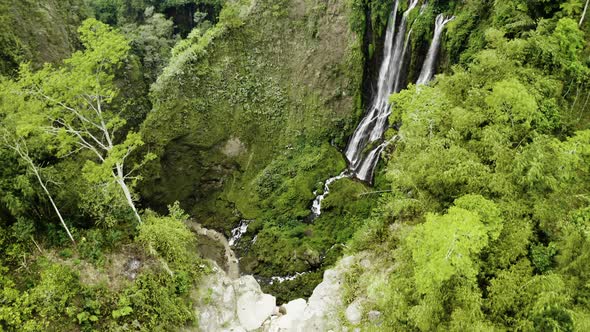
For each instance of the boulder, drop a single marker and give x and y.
(254, 308)
(354, 312)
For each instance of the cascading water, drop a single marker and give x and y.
(238, 232)
(316, 207)
(358, 141)
(428, 68)
(374, 123)
(394, 77)
(363, 166)
(367, 167)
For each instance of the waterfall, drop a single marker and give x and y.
(367, 167)
(358, 141)
(394, 75)
(236, 233)
(374, 123)
(398, 82)
(428, 69)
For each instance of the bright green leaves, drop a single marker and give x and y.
(167, 237)
(440, 277)
(104, 47)
(512, 108)
(52, 297)
(76, 102)
(558, 48)
(444, 246)
(447, 245)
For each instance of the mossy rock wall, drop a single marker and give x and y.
(265, 106)
(38, 31)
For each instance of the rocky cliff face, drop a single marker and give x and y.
(239, 305)
(228, 301)
(277, 76)
(37, 31)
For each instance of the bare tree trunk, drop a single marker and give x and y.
(120, 178)
(23, 153)
(584, 13)
(61, 219)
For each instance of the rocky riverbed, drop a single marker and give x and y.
(228, 302)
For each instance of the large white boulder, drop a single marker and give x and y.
(293, 312)
(254, 308)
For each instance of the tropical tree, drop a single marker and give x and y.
(76, 102)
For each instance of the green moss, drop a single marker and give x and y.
(271, 95)
(37, 31)
(246, 120)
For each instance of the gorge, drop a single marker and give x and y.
(294, 165)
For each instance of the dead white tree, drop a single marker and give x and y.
(584, 13)
(93, 132)
(19, 146)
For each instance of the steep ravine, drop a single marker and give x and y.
(252, 116)
(233, 303)
(247, 122)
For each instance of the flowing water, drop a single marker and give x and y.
(316, 207)
(367, 167)
(396, 65)
(280, 280)
(371, 128)
(359, 139)
(238, 232)
(374, 124)
(428, 69)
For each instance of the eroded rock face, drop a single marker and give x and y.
(228, 304)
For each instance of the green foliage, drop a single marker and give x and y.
(167, 237)
(480, 221)
(488, 185)
(43, 306)
(542, 256)
(445, 246)
(152, 42)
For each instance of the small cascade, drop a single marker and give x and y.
(428, 68)
(316, 208)
(423, 8)
(366, 169)
(398, 83)
(280, 280)
(238, 232)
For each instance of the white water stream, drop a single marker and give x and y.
(238, 232)
(316, 207)
(428, 69)
(371, 128)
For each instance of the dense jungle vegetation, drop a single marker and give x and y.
(121, 121)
